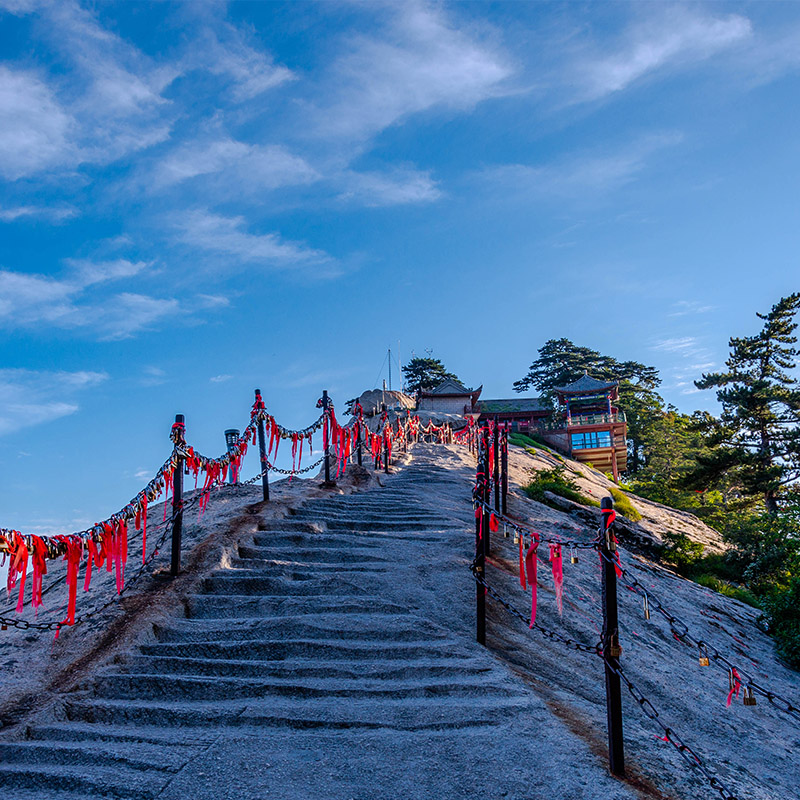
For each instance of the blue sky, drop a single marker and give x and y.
(198, 199)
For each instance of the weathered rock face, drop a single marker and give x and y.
(373, 400)
(647, 534)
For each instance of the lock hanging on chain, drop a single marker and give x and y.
(749, 698)
(573, 555)
(505, 531)
(646, 607)
(704, 661)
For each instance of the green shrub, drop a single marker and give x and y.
(682, 553)
(782, 607)
(623, 504)
(557, 482)
(728, 589)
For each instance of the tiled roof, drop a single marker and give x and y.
(586, 383)
(514, 405)
(450, 386)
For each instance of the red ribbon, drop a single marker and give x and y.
(530, 568)
(558, 575)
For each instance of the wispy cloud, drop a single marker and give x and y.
(36, 133)
(53, 213)
(419, 61)
(25, 396)
(580, 174)
(30, 300)
(232, 166)
(220, 378)
(685, 344)
(223, 49)
(396, 187)
(227, 236)
(685, 308)
(669, 39)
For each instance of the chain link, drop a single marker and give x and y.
(681, 632)
(670, 735)
(550, 634)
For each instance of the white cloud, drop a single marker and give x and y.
(54, 213)
(225, 235)
(220, 378)
(235, 165)
(104, 104)
(678, 345)
(397, 187)
(578, 175)
(223, 50)
(28, 300)
(671, 38)
(129, 313)
(36, 132)
(25, 396)
(420, 62)
(685, 307)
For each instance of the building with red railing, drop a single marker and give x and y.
(589, 426)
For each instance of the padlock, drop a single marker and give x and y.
(704, 662)
(646, 608)
(516, 537)
(505, 531)
(573, 556)
(749, 697)
(4, 628)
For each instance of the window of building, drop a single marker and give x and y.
(591, 439)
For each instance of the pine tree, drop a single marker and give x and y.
(561, 362)
(425, 373)
(756, 440)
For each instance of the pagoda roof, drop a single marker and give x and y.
(584, 385)
(514, 405)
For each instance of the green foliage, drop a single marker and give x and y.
(425, 373)
(557, 482)
(521, 440)
(683, 553)
(782, 610)
(623, 504)
(728, 589)
(756, 440)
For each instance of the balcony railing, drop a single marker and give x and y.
(584, 419)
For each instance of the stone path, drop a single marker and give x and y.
(333, 658)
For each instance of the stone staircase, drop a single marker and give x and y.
(318, 664)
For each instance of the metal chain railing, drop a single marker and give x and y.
(681, 632)
(670, 735)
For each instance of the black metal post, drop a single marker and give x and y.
(262, 450)
(611, 647)
(487, 491)
(326, 438)
(177, 510)
(359, 436)
(480, 559)
(504, 445)
(385, 452)
(496, 446)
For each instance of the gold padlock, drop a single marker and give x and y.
(505, 531)
(573, 556)
(646, 608)
(749, 697)
(704, 662)
(516, 537)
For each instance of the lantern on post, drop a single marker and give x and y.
(231, 437)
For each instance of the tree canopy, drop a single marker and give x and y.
(756, 439)
(425, 373)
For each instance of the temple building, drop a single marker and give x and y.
(450, 397)
(522, 414)
(589, 426)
